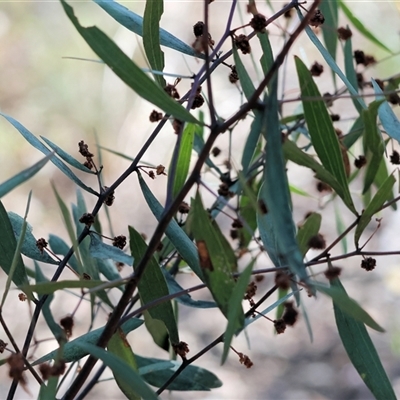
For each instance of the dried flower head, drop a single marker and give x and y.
(198, 28)
(344, 33)
(177, 125)
(41, 244)
(368, 263)
(109, 200)
(332, 273)
(16, 365)
(245, 360)
(237, 223)
(280, 326)
(258, 22)
(335, 117)
(328, 98)
(317, 242)
(243, 44)
(184, 208)
(316, 69)
(323, 187)
(67, 323)
(160, 170)
(395, 158)
(282, 279)
(360, 162)
(22, 297)
(233, 76)
(181, 349)
(216, 151)
(317, 19)
(155, 116)
(119, 241)
(290, 314)
(84, 149)
(171, 91)
(87, 219)
(250, 291)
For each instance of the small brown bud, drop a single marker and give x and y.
(216, 151)
(243, 44)
(258, 22)
(41, 244)
(282, 280)
(290, 314)
(250, 291)
(237, 223)
(332, 273)
(155, 116)
(360, 162)
(233, 76)
(317, 19)
(245, 360)
(184, 208)
(198, 28)
(335, 117)
(317, 242)
(181, 349)
(171, 91)
(22, 297)
(177, 125)
(84, 149)
(198, 101)
(160, 170)
(323, 187)
(109, 200)
(316, 69)
(87, 219)
(395, 158)
(280, 326)
(67, 323)
(328, 98)
(368, 263)
(119, 241)
(344, 33)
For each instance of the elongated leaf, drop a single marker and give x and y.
(29, 247)
(330, 11)
(348, 305)
(134, 23)
(235, 308)
(361, 28)
(152, 286)
(388, 118)
(307, 230)
(51, 287)
(183, 163)
(361, 351)
(151, 37)
(275, 190)
(174, 232)
(49, 391)
(58, 246)
(186, 299)
(244, 78)
(23, 176)
(72, 352)
(67, 157)
(156, 372)
(127, 70)
(104, 251)
(37, 144)
(217, 259)
(320, 127)
(120, 347)
(380, 178)
(331, 62)
(267, 58)
(384, 193)
(8, 245)
(127, 376)
(355, 133)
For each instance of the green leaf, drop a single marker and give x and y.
(37, 144)
(156, 372)
(120, 347)
(217, 258)
(361, 351)
(183, 163)
(185, 299)
(235, 309)
(275, 190)
(49, 391)
(174, 232)
(151, 37)
(354, 134)
(320, 127)
(348, 305)
(383, 194)
(127, 70)
(389, 120)
(127, 376)
(380, 178)
(307, 230)
(104, 251)
(330, 11)
(75, 349)
(152, 286)
(267, 58)
(244, 78)
(8, 246)
(361, 28)
(29, 247)
(134, 23)
(51, 287)
(23, 176)
(67, 157)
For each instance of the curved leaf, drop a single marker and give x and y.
(23, 176)
(362, 352)
(127, 70)
(134, 23)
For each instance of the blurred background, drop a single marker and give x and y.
(68, 100)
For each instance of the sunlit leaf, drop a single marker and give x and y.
(127, 70)
(361, 351)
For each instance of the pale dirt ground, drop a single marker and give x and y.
(67, 100)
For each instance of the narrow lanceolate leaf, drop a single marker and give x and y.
(8, 245)
(361, 27)
(127, 376)
(174, 232)
(120, 347)
(29, 247)
(104, 251)
(23, 176)
(235, 308)
(217, 259)
(156, 372)
(127, 70)
(67, 157)
(350, 307)
(382, 195)
(183, 163)
(37, 144)
(151, 37)
(330, 11)
(244, 77)
(389, 120)
(320, 127)
(267, 59)
(275, 190)
(307, 230)
(331, 62)
(134, 23)
(152, 286)
(74, 352)
(361, 351)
